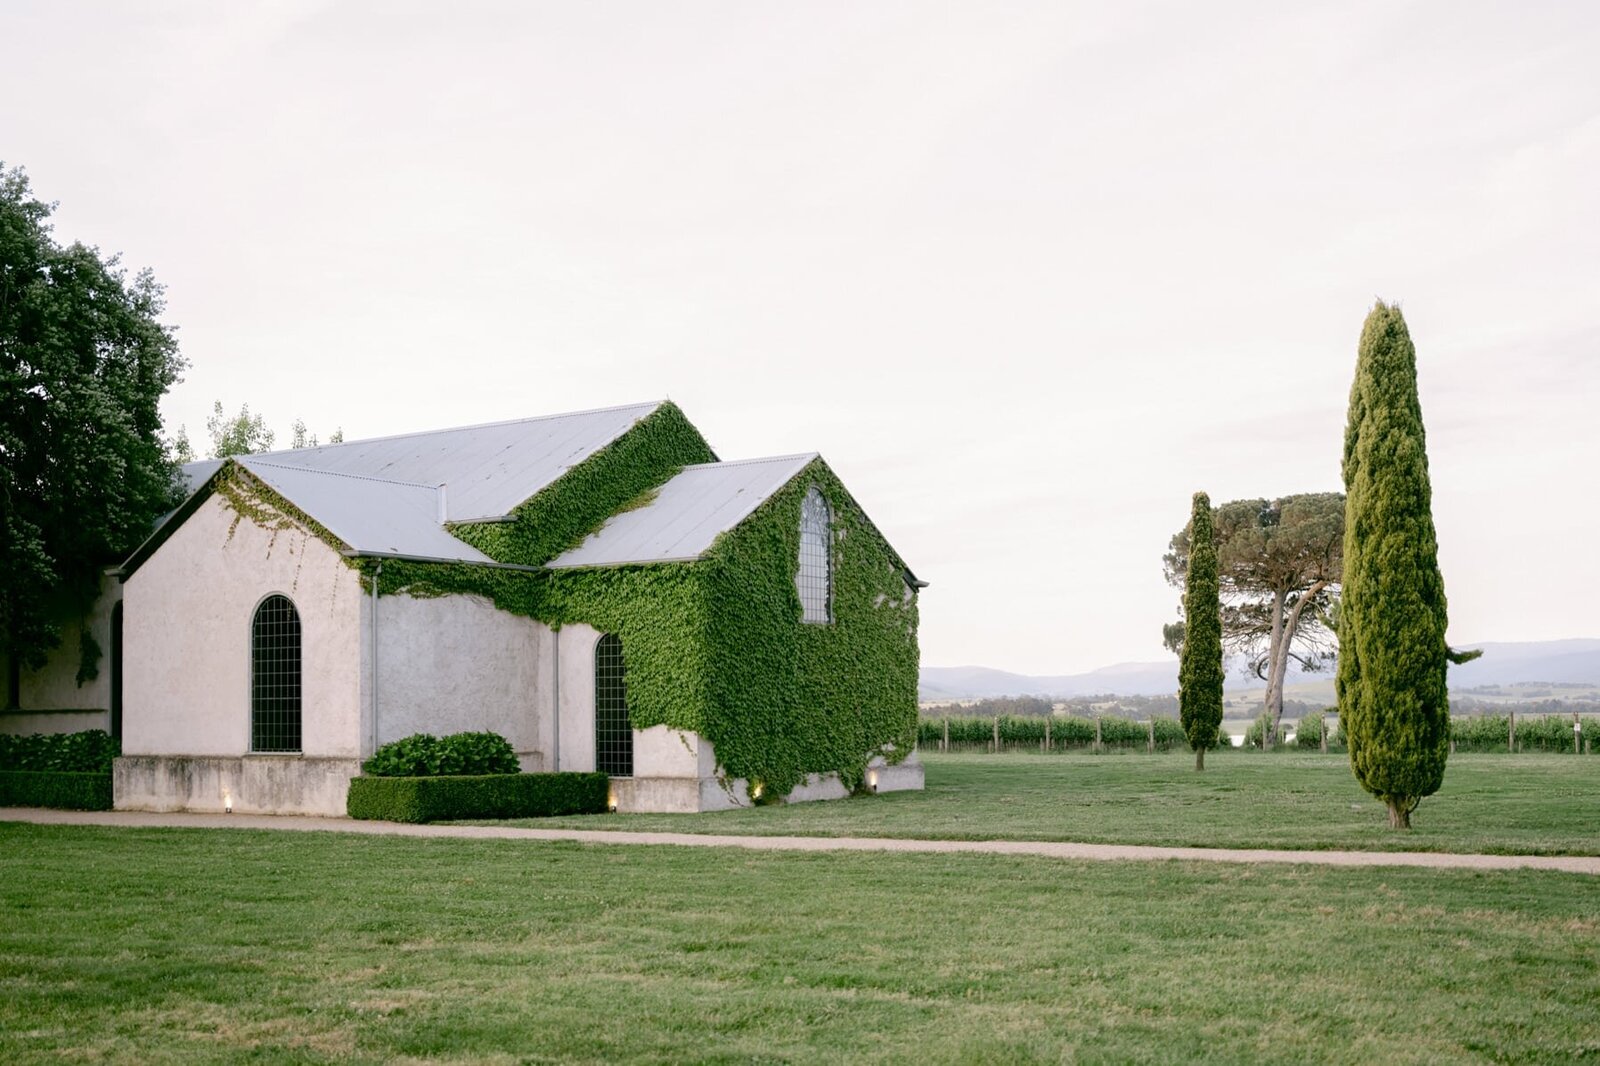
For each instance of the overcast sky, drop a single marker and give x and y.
(1027, 275)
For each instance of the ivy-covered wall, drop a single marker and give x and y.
(658, 611)
(716, 646)
(788, 698)
(558, 518)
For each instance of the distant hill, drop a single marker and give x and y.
(1555, 661)
(1503, 663)
(979, 682)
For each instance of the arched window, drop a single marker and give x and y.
(613, 731)
(815, 577)
(275, 676)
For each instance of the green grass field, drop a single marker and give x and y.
(1521, 804)
(225, 946)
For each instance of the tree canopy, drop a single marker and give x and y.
(1200, 665)
(84, 361)
(1279, 566)
(1394, 709)
(243, 434)
(240, 434)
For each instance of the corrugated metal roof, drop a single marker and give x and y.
(488, 469)
(383, 496)
(371, 515)
(199, 472)
(193, 476)
(687, 513)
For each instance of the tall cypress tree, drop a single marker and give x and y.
(1200, 667)
(1393, 705)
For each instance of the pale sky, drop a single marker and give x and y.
(1027, 275)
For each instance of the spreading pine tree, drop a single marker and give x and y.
(1200, 667)
(1393, 705)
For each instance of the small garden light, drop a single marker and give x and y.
(227, 802)
(872, 780)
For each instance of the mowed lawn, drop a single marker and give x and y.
(1516, 804)
(194, 945)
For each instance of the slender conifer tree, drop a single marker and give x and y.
(1393, 706)
(1200, 667)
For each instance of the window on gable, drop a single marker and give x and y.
(275, 676)
(815, 577)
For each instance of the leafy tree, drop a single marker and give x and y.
(179, 450)
(1279, 564)
(240, 434)
(299, 438)
(243, 434)
(1200, 665)
(1393, 707)
(84, 361)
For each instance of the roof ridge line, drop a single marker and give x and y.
(478, 425)
(749, 462)
(332, 473)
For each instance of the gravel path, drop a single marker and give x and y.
(1581, 864)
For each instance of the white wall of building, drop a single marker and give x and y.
(576, 648)
(186, 637)
(450, 664)
(443, 665)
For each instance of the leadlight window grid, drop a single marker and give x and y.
(815, 577)
(275, 676)
(613, 731)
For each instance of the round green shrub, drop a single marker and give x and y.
(476, 753)
(413, 756)
(457, 755)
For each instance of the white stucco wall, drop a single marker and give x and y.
(661, 751)
(456, 663)
(187, 613)
(577, 697)
(54, 687)
(673, 771)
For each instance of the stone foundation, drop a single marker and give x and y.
(256, 784)
(902, 777)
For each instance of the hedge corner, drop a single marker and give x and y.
(438, 799)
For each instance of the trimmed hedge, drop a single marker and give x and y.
(439, 799)
(54, 788)
(70, 771)
(88, 752)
